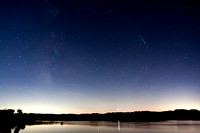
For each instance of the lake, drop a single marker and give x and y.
(114, 127)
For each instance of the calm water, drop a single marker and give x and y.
(115, 127)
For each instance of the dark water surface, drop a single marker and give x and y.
(115, 127)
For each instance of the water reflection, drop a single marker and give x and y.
(105, 127)
(118, 125)
(8, 129)
(18, 128)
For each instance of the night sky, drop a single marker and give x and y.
(85, 56)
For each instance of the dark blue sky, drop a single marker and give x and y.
(79, 56)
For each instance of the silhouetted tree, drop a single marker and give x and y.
(19, 111)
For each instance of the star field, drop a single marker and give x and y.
(88, 56)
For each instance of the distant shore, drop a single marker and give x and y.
(10, 120)
(178, 114)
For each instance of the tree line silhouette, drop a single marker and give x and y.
(11, 120)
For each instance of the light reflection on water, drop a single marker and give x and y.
(115, 127)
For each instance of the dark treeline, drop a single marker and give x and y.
(123, 116)
(10, 120)
(179, 114)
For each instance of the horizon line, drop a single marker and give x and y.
(104, 112)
